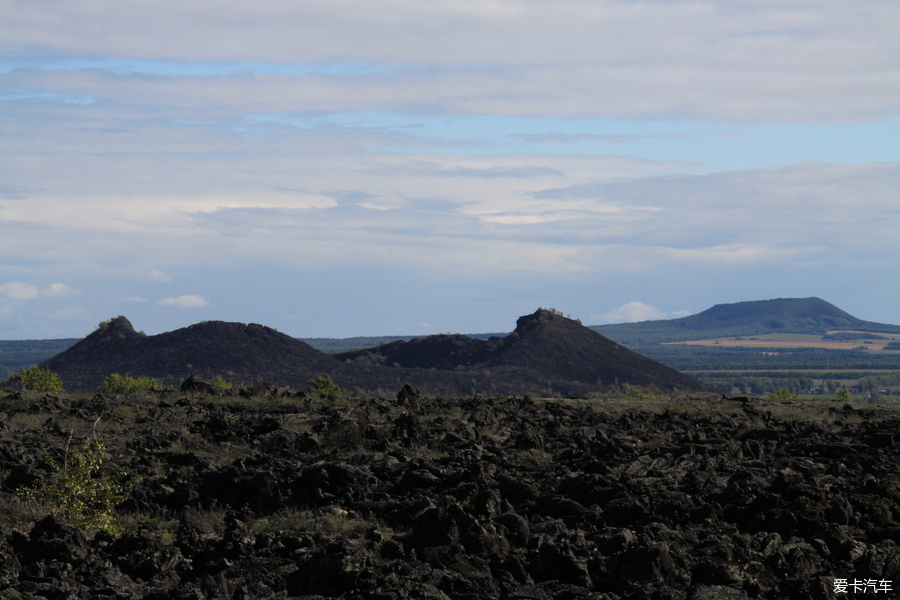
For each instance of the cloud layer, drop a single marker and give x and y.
(296, 160)
(186, 301)
(723, 60)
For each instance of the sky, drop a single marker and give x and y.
(397, 167)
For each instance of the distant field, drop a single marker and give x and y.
(831, 373)
(828, 345)
(804, 363)
(798, 340)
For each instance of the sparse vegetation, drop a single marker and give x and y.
(334, 523)
(127, 384)
(37, 379)
(781, 394)
(636, 392)
(324, 386)
(76, 491)
(559, 313)
(219, 381)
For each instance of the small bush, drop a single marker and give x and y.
(843, 395)
(76, 492)
(635, 392)
(324, 386)
(783, 394)
(219, 382)
(37, 379)
(126, 384)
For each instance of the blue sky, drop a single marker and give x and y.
(346, 168)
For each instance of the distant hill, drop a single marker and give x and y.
(546, 349)
(781, 315)
(360, 342)
(18, 354)
(235, 351)
(547, 354)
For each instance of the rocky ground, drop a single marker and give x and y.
(279, 496)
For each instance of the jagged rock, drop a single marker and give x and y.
(515, 527)
(9, 565)
(717, 592)
(52, 540)
(470, 498)
(408, 395)
(196, 385)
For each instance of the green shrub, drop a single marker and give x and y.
(77, 492)
(783, 394)
(843, 395)
(324, 386)
(219, 381)
(37, 379)
(635, 392)
(126, 384)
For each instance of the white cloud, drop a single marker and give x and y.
(632, 312)
(622, 217)
(57, 290)
(187, 301)
(24, 291)
(134, 299)
(159, 276)
(301, 134)
(791, 60)
(69, 313)
(18, 290)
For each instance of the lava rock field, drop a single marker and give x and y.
(278, 496)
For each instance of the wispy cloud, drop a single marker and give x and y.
(159, 276)
(632, 312)
(742, 146)
(556, 137)
(187, 301)
(44, 96)
(69, 313)
(57, 290)
(18, 290)
(797, 60)
(25, 291)
(499, 172)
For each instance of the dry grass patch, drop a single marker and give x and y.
(332, 522)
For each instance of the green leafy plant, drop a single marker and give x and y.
(783, 394)
(635, 392)
(76, 491)
(324, 386)
(843, 395)
(38, 380)
(126, 384)
(219, 381)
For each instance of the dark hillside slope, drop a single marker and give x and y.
(563, 350)
(442, 351)
(235, 351)
(781, 315)
(547, 353)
